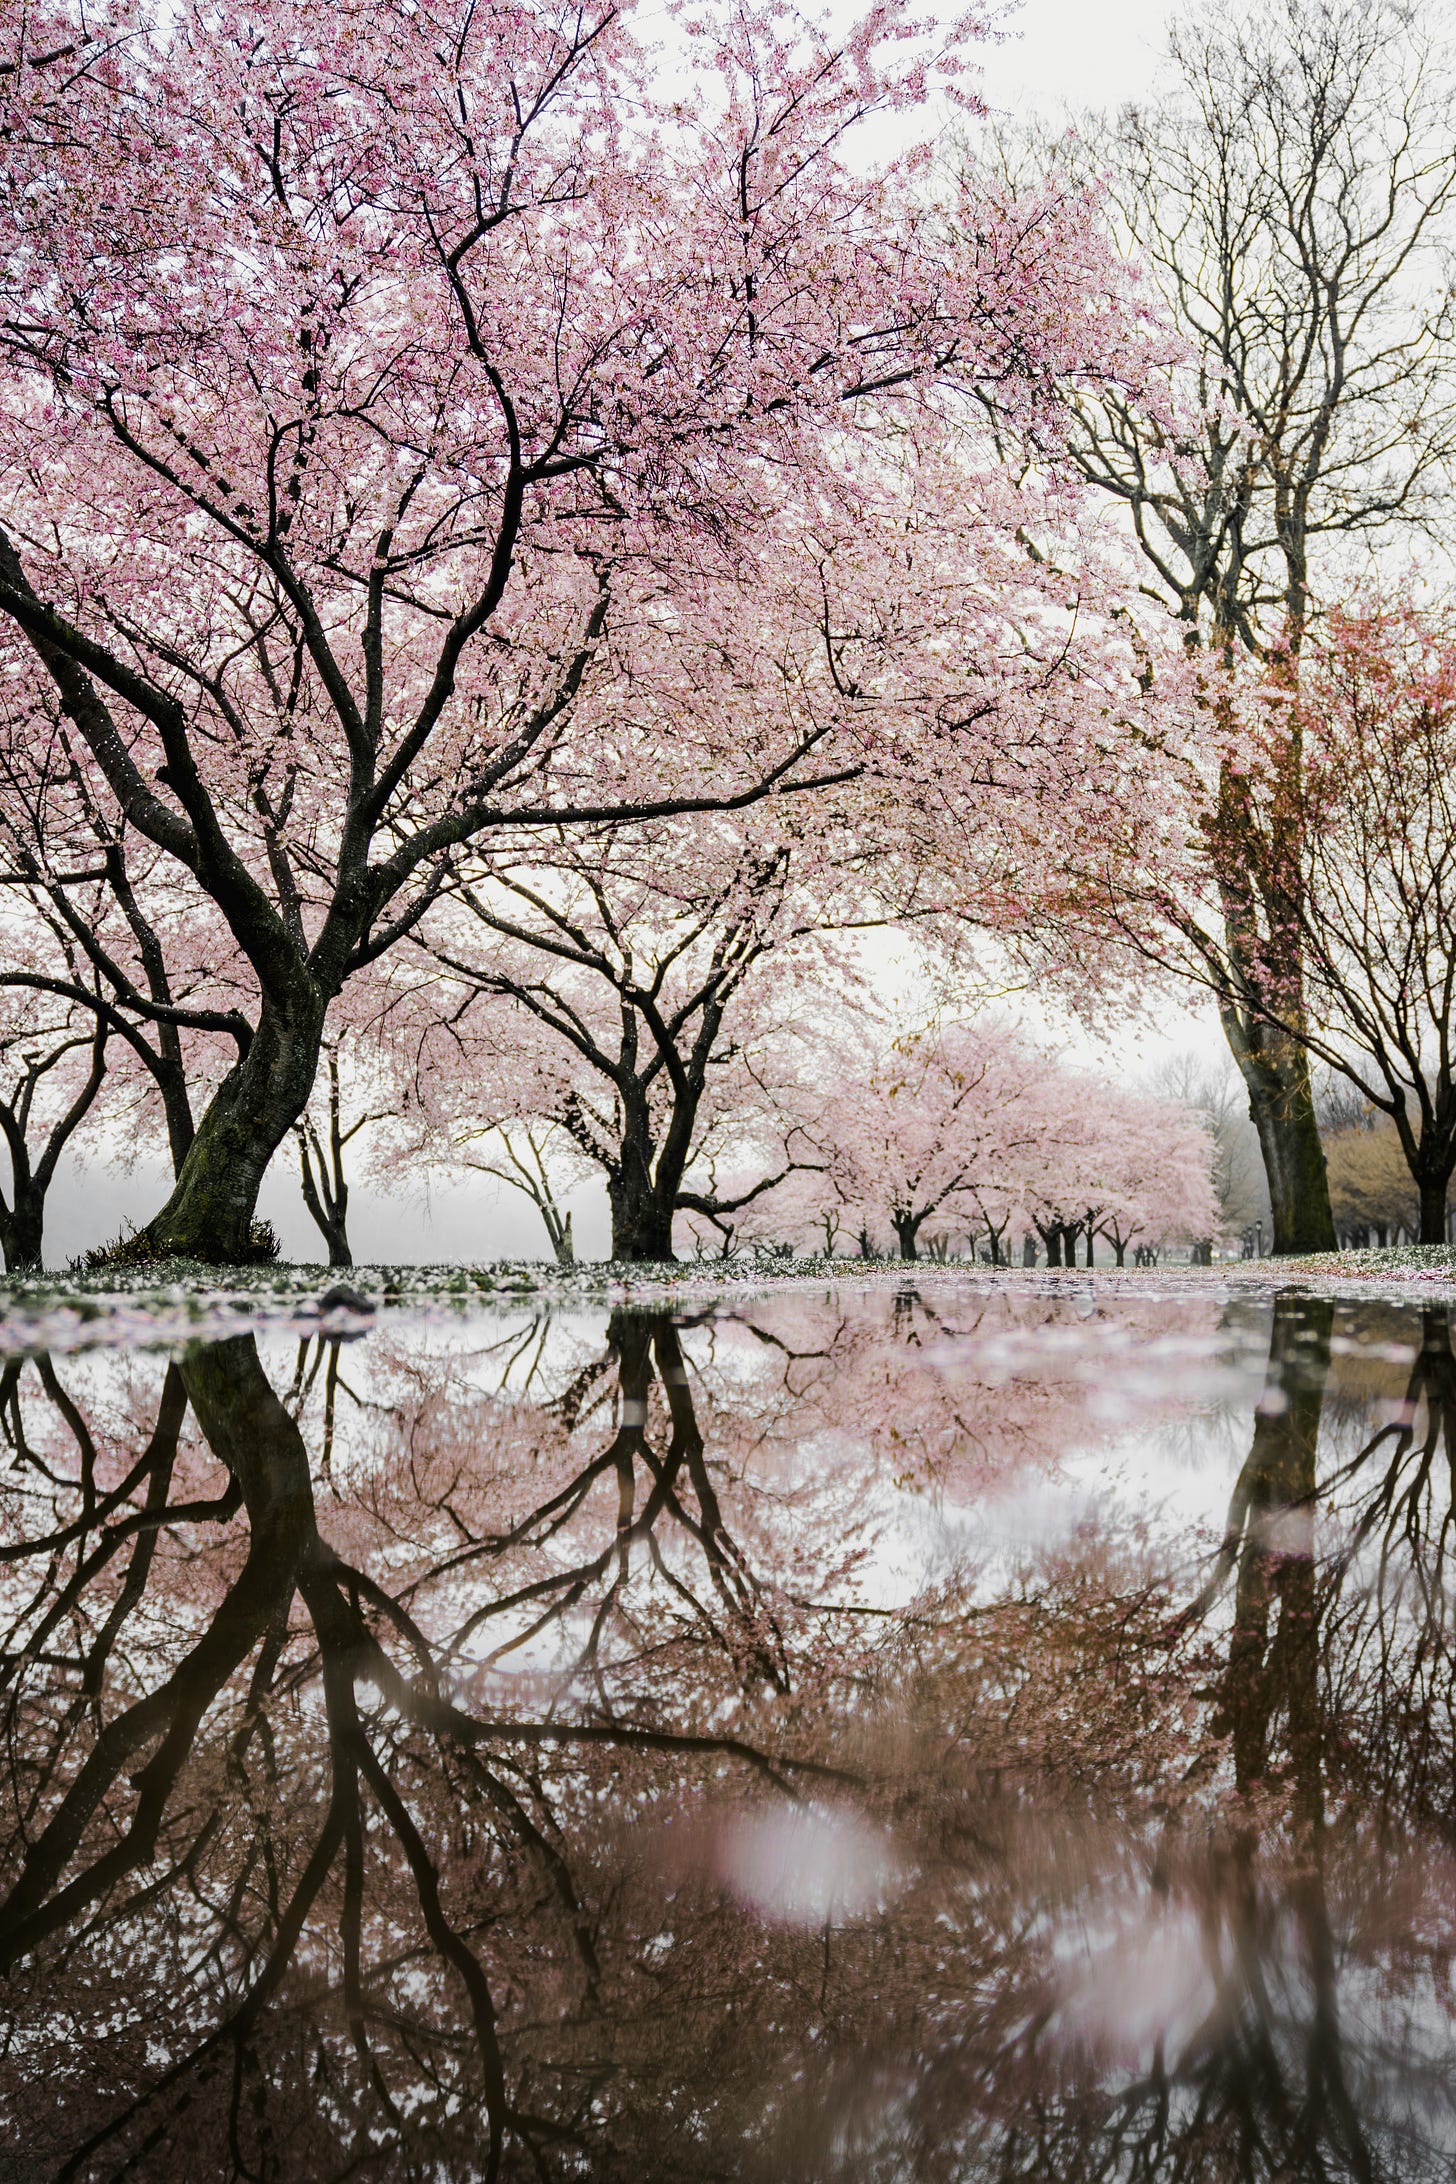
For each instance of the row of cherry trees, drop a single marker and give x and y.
(851, 1138)
(968, 1128)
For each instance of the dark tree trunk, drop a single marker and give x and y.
(642, 1201)
(641, 1222)
(1275, 1069)
(1119, 1252)
(1091, 1241)
(21, 1229)
(1052, 1238)
(210, 1213)
(907, 1228)
(336, 1237)
(1274, 1671)
(1433, 1210)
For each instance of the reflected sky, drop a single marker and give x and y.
(961, 1734)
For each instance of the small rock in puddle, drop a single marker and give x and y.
(341, 1298)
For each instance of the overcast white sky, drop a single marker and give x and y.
(1051, 55)
(1074, 53)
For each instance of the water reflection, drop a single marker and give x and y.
(504, 1749)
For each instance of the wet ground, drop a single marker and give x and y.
(983, 1732)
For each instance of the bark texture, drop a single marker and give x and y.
(209, 1215)
(1275, 1069)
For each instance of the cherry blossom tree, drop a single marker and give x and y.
(99, 921)
(379, 383)
(934, 1123)
(634, 1052)
(1153, 1175)
(967, 1121)
(660, 976)
(951, 1115)
(1122, 1165)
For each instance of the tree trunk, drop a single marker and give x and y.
(1091, 1241)
(336, 1237)
(642, 1204)
(21, 1229)
(1053, 1241)
(1433, 1210)
(641, 1222)
(1275, 1069)
(328, 1205)
(907, 1227)
(1274, 1499)
(209, 1215)
(1119, 1252)
(562, 1245)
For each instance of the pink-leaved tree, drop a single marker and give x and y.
(374, 378)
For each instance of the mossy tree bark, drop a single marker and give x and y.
(210, 1212)
(1275, 1070)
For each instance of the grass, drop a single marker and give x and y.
(177, 1301)
(1421, 1262)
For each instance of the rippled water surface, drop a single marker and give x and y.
(983, 1733)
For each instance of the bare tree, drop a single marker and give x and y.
(1374, 821)
(650, 997)
(1290, 193)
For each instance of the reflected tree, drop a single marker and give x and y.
(246, 1784)
(558, 1786)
